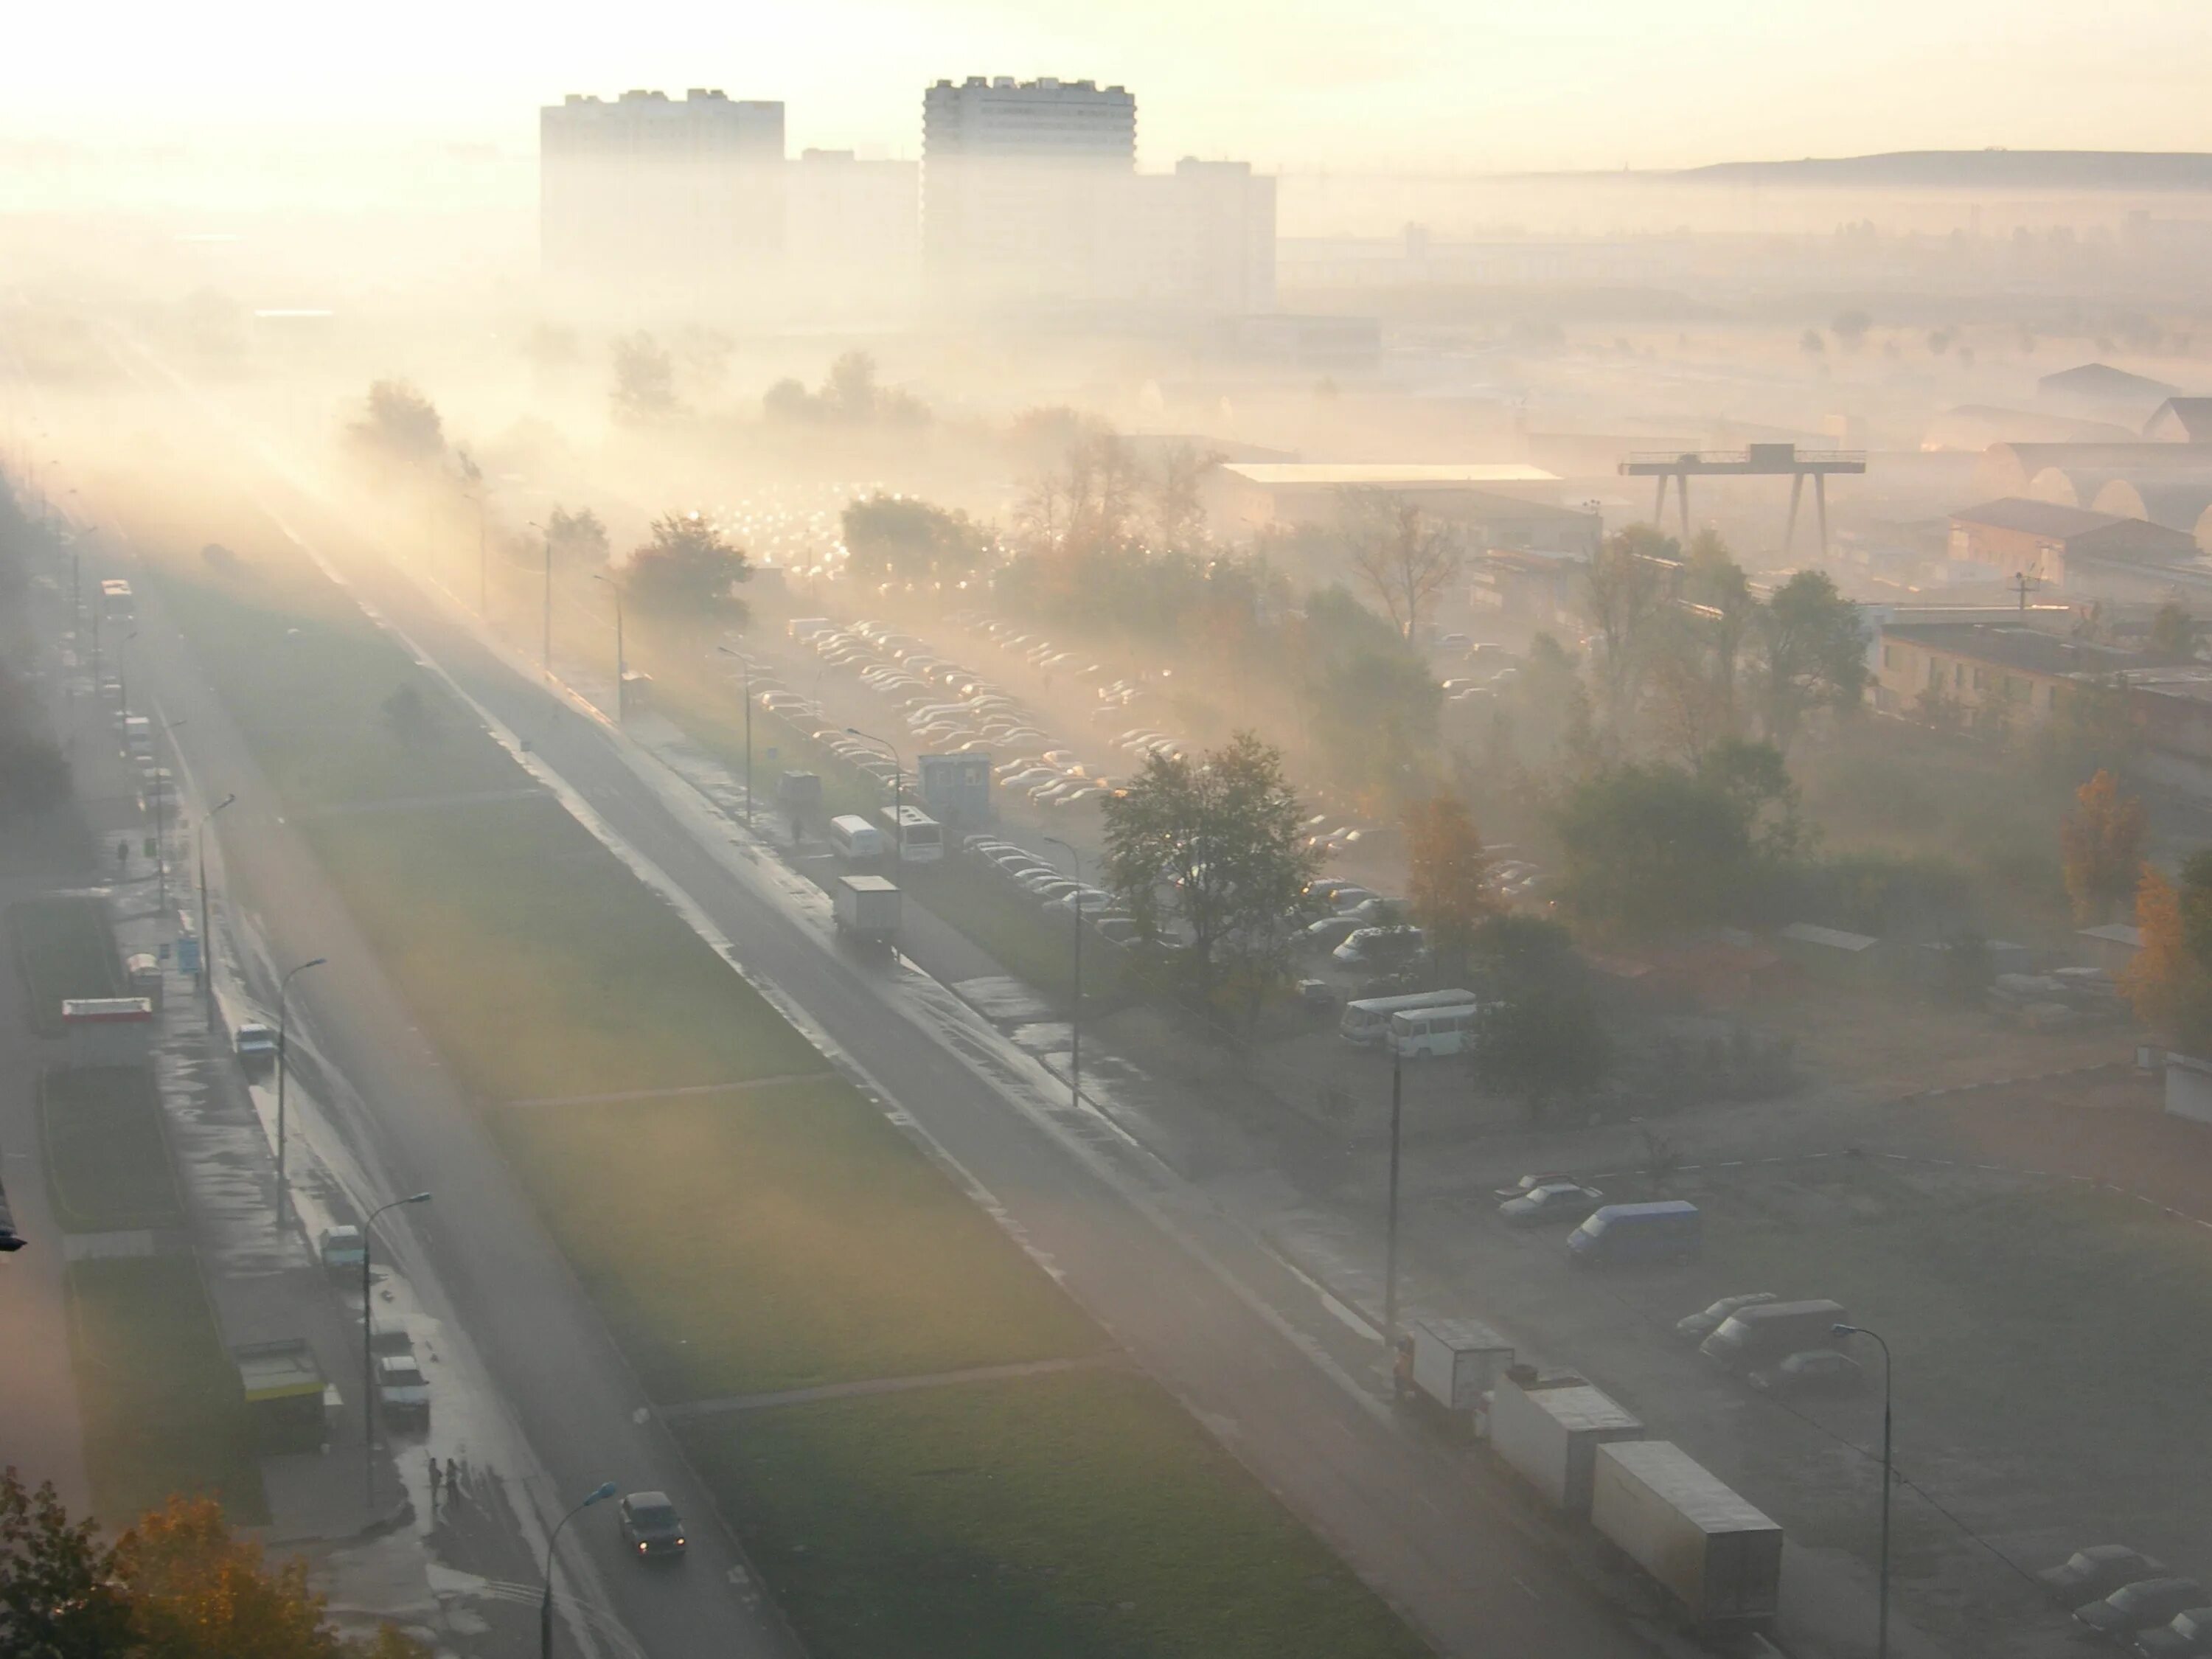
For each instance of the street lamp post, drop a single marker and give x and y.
(898, 775)
(1390, 1231)
(745, 667)
(599, 1494)
(368, 1351)
(161, 819)
(207, 940)
(123, 684)
(546, 648)
(1881, 1632)
(284, 1065)
(621, 668)
(1075, 1021)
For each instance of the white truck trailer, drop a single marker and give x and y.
(867, 908)
(1449, 1364)
(1549, 1431)
(1719, 1558)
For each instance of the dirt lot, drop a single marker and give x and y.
(2052, 1336)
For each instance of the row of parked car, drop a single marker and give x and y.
(2121, 1594)
(1051, 886)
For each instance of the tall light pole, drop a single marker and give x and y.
(1881, 1633)
(1390, 1231)
(546, 650)
(744, 666)
(1075, 1021)
(283, 1065)
(599, 1494)
(161, 819)
(122, 685)
(899, 774)
(368, 1417)
(207, 940)
(622, 669)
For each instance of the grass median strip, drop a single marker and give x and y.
(163, 1413)
(67, 950)
(781, 1237)
(1081, 1515)
(106, 1159)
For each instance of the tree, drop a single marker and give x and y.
(401, 426)
(895, 536)
(60, 1597)
(2169, 983)
(1648, 849)
(1178, 505)
(1623, 593)
(1850, 328)
(685, 577)
(1406, 557)
(1536, 1035)
(645, 378)
(848, 392)
(1814, 651)
(1448, 878)
(577, 541)
(1217, 842)
(2101, 846)
(2173, 631)
(1812, 344)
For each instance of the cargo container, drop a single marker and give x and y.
(1550, 1429)
(283, 1390)
(1449, 1363)
(867, 908)
(1770, 1331)
(1717, 1556)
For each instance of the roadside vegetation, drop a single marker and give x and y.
(107, 1162)
(66, 949)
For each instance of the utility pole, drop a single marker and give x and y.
(368, 1351)
(207, 938)
(1075, 1019)
(1390, 1233)
(1881, 1632)
(284, 1065)
(745, 667)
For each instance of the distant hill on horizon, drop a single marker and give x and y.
(1974, 169)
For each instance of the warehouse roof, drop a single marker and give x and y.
(1386, 475)
(2028, 649)
(2102, 380)
(2035, 518)
(2188, 419)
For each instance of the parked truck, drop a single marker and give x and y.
(1768, 1332)
(1715, 1555)
(1550, 1429)
(1447, 1365)
(284, 1394)
(867, 908)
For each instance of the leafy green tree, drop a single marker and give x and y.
(1448, 885)
(60, 1595)
(1213, 843)
(894, 536)
(1624, 594)
(685, 577)
(2173, 631)
(2101, 848)
(401, 426)
(578, 540)
(1178, 503)
(1646, 849)
(1813, 655)
(1537, 1036)
(645, 378)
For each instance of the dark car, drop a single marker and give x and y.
(2188, 1632)
(650, 1525)
(1812, 1371)
(1561, 1200)
(2097, 1570)
(1697, 1327)
(2142, 1605)
(1330, 931)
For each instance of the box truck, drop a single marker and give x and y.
(1549, 1430)
(1715, 1555)
(1768, 1332)
(867, 908)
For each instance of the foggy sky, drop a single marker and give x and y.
(1476, 85)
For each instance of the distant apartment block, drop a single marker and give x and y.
(661, 201)
(1031, 199)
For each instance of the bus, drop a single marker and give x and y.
(115, 599)
(920, 837)
(855, 837)
(1366, 1024)
(1416, 1032)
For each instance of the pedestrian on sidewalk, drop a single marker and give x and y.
(433, 1482)
(452, 1479)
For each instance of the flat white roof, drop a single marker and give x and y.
(1386, 474)
(1579, 1406)
(1807, 933)
(1665, 1468)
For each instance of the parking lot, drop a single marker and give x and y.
(2051, 1341)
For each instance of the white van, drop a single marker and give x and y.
(920, 837)
(805, 627)
(1417, 1032)
(855, 837)
(1367, 1022)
